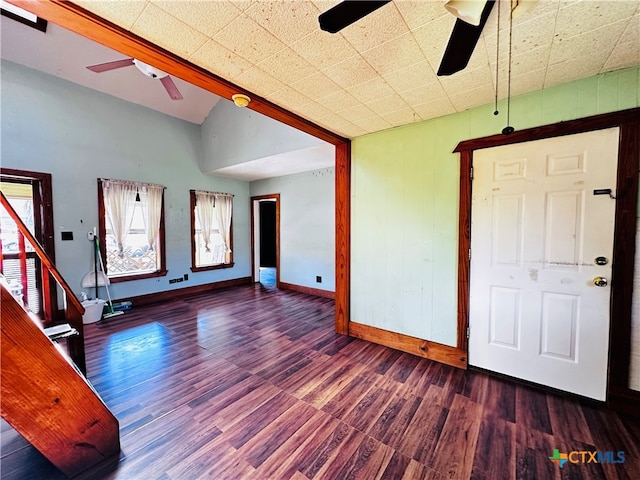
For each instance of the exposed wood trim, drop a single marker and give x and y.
(78, 20)
(464, 247)
(271, 196)
(618, 392)
(318, 292)
(569, 127)
(89, 25)
(168, 295)
(343, 237)
(423, 348)
(43, 218)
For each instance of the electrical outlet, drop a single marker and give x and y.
(186, 276)
(179, 279)
(173, 280)
(318, 279)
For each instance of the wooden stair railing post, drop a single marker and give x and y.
(74, 308)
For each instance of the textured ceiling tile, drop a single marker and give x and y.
(289, 20)
(536, 33)
(376, 28)
(206, 17)
(220, 60)
(258, 81)
(467, 80)
(287, 65)
(371, 89)
(437, 107)
(401, 116)
(632, 31)
(409, 78)
(622, 56)
(395, 54)
(596, 41)
(373, 124)
(288, 97)
(354, 114)
(464, 100)
(434, 36)
(338, 100)
(424, 93)
(530, 81)
(323, 49)
(387, 104)
(168, 32)
(249, 40)
(579, 17)
(317, 85)
(348, 129)
(316, 110)
(565, 71)
(123, 13)
(350, 72)
(417, 13)
(522, 64)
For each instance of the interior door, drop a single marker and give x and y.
(541, 252)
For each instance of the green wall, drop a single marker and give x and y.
(404, 216)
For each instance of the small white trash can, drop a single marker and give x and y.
(92, 310)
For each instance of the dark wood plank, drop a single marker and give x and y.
(221, 386)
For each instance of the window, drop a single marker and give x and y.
(21, 15)
(211, 233)
(131, 229)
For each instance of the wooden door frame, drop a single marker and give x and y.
(619, 395)
(43, 217)
(258, 198)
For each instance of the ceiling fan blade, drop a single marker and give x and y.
(345, 13)
(171, 88)
(105, 67)
(462, 43)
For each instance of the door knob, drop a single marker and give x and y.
(600, 282)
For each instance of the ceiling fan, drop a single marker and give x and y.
(146, 69)
(462, 41)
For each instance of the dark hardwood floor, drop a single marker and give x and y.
(252, 382)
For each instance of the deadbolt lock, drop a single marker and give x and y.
(600, 282)
(601, 260)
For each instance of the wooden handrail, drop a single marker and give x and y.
(74, 309)
(71, 298)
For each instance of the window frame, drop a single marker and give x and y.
(220, 266)
(161, 272)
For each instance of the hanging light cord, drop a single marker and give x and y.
(495, 110)
(509, 129)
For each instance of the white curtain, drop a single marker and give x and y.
(151, 214)
(224, 210)
(205, 206)
(119, 202)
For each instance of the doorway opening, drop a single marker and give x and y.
(29, 193)
(265, 239)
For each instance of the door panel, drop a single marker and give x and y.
(537, 226)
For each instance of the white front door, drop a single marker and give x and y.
(537, 228)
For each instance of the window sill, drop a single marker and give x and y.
(212, 267)
(128, 278)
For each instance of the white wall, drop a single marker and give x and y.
(307, 226)
(77, 135)
(232, 135)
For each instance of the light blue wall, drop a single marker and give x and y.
(404, 217)
(78, 135)
(232, 135)
(307, 226)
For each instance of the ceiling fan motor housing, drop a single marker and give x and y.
(148, 70)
